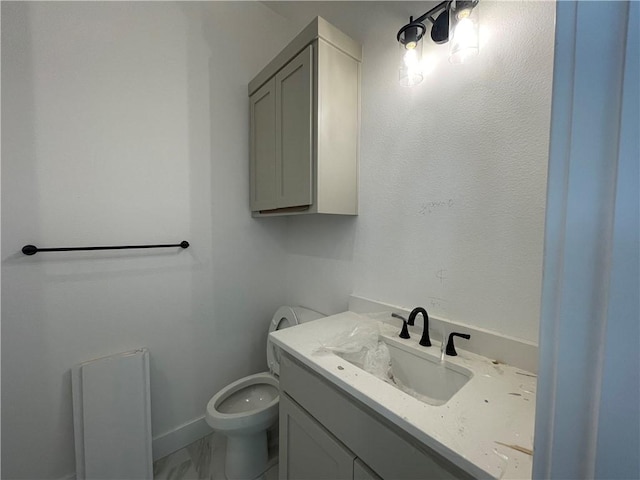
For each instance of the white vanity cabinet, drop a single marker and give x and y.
(304, 126)
(311, 452)
(326, 434)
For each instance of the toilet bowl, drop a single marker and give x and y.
(245, 409)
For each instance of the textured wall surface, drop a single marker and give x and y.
(127, 123)
(452, 173)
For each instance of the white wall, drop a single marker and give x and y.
(452, 174)
(127, 123)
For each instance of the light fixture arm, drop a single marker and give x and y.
(415, 29)
(452, 21)
(429, 14)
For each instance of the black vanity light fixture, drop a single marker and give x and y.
(453, 21)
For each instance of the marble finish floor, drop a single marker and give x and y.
(202, 460)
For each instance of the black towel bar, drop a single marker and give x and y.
(32, 249)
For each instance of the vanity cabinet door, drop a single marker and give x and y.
(307, 450)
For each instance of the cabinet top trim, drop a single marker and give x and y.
(318, 28)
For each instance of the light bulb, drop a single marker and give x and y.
(464, 13)
(411, 58)
(464, 41)
(410, 72)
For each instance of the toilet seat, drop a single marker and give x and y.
(252, 406)
(260, 392)
(259, 414)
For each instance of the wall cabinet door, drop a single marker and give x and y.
(307, 450)
(263, 147)
(281, 137)
(294, 124)
(362, 472)
(307, 102)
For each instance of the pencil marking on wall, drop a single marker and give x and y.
(436, 302)
(436, 205)
(440, 275)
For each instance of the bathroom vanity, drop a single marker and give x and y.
(325, 434)
(338, 421)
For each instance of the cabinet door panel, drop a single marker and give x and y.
(307, 450)
(294, 94)
(363, 472)
(263, 148)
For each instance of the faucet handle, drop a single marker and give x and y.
(451, 349)
(405, 330)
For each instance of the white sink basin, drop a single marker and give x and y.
(419, 372)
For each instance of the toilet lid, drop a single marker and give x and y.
(283, 318)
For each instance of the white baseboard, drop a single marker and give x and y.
(512, 351)
(180, 437)
(173, 440)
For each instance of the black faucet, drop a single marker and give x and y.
(425, 341)
(405, 331)
(451, 349)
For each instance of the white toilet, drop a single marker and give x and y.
(245, 409)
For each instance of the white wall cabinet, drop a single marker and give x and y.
(326, 434)
(304, 126)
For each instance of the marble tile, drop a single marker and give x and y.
(177, 466)
(272, 473)
(201, 454)
(204, 460)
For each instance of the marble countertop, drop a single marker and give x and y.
(486, 428)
